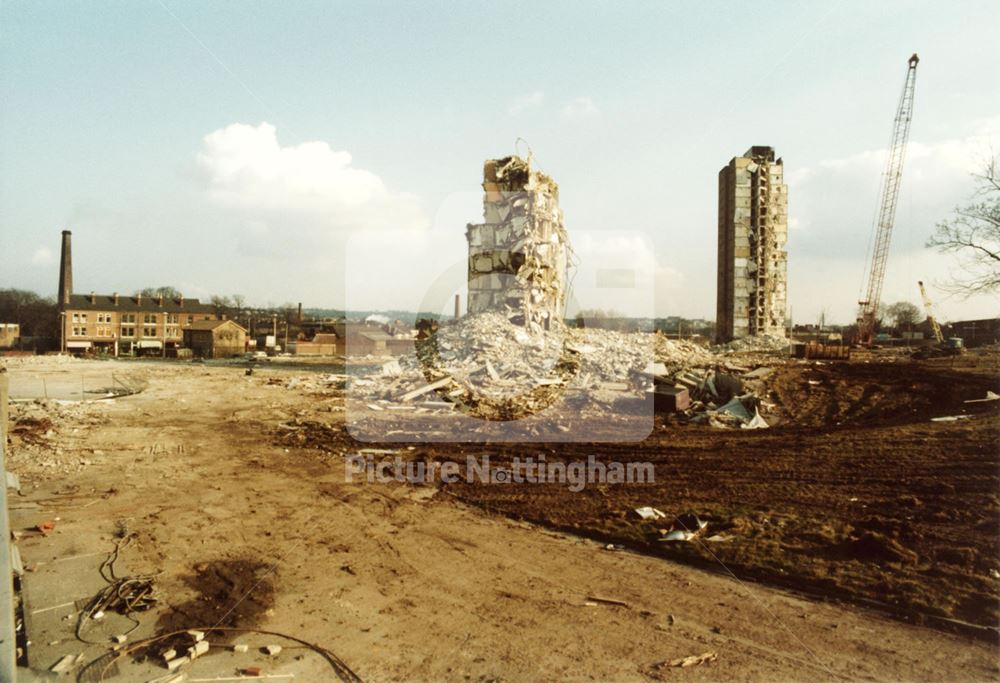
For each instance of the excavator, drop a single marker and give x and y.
(953, 346)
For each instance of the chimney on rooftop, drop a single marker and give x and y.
(116, 298)
(65, 271)
(93, 298)
(182, 301)
(300, 311)
(161, 301)
(138, 298)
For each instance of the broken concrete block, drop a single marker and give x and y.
(64, 664)
(197, 635)
(668, 399)
(198, 649)
(176, 678)
(240, 647)
(177, 662)
(272, 650)
(169, 654)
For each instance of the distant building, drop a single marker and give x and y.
(9, 334)
(215, 338)
(322, 344)
(753, 229)
(976, 332)
(116, 324)
(125, 325)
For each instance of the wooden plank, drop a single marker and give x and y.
(425, 389)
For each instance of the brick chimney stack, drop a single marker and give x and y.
(161, 301)
(116, 298)
(65, 271)
(182, 301)
(93, 298)
(138, 298)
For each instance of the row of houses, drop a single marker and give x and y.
(115, 325)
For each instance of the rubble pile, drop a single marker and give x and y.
(759, 343)
(727, 395)
(496, 369)
(36, 444)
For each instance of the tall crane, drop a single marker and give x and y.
(872, 292)
(935, 327)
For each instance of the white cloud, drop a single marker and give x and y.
(581, 108)
(246, 168)
(519, 104)
(41, 257)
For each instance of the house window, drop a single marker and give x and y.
(149, 319)
(128, 317)
(148, 331)
(83, 317)
(128, 330)
(190, 319)
(76, 317)
(172, 318)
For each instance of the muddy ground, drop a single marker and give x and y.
(856, 496)
(234, 488)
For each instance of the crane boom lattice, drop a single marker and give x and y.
(868, 306)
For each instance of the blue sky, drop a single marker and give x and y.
(205, 145)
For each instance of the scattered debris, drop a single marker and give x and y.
(685, 528)
(694, 660)
(678, 535)
(64, 664)
(606, 601)
(756, 422)
(649, 513)
(990, 396)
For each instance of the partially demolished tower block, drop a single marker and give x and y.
(753, 263)
(518, 255)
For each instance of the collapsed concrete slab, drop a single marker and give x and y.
(518, 255)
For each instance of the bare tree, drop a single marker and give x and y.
(973, 235)
(166, 292)
(222, 304)
(903, 313)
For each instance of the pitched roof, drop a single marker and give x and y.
(105, 302)
(211, 324)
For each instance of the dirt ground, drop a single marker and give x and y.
(234, 488)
